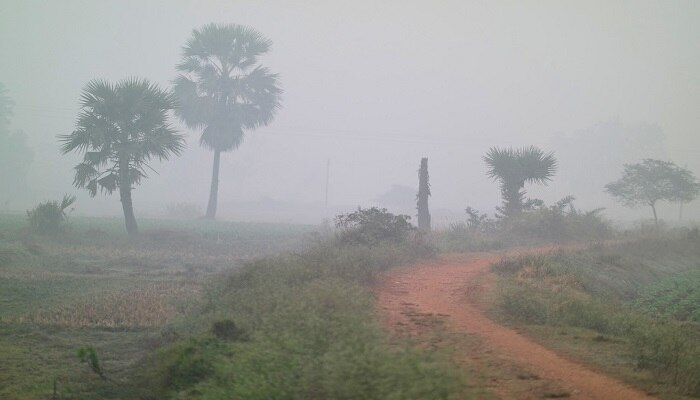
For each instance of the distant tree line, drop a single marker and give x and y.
(16, 156)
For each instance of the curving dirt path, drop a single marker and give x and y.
(439, 291)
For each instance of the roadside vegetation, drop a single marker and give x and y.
(632, 304)
(302, 326)
(539, 223)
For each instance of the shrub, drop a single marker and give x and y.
(538, 223)
(677, 297)
(560, 222)
(50, 216)
(226, 329)
(372, 226)
(88, 355)
(188, 363)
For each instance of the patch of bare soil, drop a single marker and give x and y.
(441, 295)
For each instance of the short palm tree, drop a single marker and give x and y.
(120, 129)
(515, 167)
(224, 91)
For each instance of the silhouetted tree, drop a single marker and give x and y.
(515, 167)
(120, 129)
(422, 196)
(650, 181)
(224, 91)
(16, 155)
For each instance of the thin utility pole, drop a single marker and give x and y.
(680, 207)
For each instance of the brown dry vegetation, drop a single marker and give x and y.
(151, 305)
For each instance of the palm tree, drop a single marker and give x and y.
(120, 129)
(224, 91)
(513, 168)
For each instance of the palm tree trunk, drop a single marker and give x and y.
(214, 192)
(423, 193)
(125, 197)
(512, 199)
(656, 219)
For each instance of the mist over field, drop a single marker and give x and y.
(370, 88)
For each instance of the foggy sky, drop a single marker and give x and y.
(375, 86)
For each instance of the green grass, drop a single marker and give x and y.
(677, 297)
(311, 334)
(609, 290)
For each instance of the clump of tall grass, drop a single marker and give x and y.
(49, 217)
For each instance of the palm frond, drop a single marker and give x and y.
(66, 202)
(222, 90)
(126, 121)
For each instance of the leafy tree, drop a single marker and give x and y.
(15, 154)
(651, 181)
(121, 128)
(515, 167)
(224, 91)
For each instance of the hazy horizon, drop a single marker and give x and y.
(373, 87)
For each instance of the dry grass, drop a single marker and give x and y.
(149, 305)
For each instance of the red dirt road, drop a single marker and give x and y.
(440, 289)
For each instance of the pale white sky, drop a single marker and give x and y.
(375, 86)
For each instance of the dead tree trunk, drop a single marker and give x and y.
(422, 197)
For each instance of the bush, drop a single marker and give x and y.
(49, 217)
(226, 329)
(558, 223)
(372, 226)
(677, 297)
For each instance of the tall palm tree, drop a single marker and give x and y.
(515, 167)
(224, 91)
(120, 129)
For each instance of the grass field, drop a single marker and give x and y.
(93, 286)
(202, 310)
